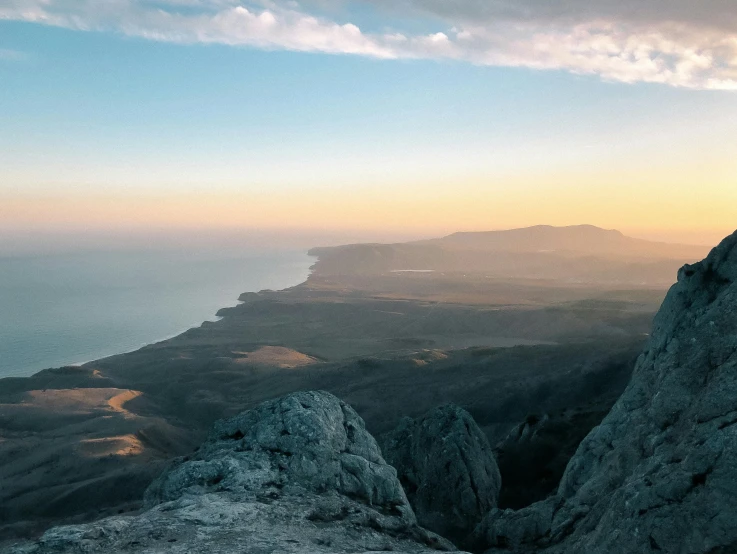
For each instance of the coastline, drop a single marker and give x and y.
(216, 319)
(144, 345)
(39, 342)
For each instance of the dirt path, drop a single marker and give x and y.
(117, 401)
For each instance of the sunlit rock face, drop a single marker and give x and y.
(660, 472)
(447, 468)
(296, 474)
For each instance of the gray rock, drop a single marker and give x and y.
(221, 523)
(308, 440)
(297, 474)
(659, 474)
(447, 468)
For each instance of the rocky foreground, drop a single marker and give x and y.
(301, 473)
(297, 474)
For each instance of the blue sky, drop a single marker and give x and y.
(112, 102)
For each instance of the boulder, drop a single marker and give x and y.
(659, 474)
(307, 440)
(297, 474)
(447, 468)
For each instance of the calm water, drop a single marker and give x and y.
(70, 308)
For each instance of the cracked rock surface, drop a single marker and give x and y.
(447, 468)
(297, 474)
(659, 474)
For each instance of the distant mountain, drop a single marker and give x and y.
(577, 239)
(577, 254)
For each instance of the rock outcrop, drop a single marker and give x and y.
(447, 468)
(297, 474)
(659, 474)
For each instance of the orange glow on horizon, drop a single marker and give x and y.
(430, 210)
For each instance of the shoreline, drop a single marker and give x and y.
(216, 319)
(144, 345)
(23, 374)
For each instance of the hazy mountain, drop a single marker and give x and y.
(581, 253)
(576, 239)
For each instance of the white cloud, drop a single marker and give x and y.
(670, 54)
(213, 21)
(673, 42)
(12, 55)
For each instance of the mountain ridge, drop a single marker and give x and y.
(546, 235)
(576, 254)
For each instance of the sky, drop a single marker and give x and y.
(369, 119)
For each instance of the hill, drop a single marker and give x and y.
(576, 254)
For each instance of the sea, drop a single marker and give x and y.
(69, 308)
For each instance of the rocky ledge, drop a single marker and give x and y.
(297, 474)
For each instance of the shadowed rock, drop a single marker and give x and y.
(297, 474)
(535, 453)
(659, 474)
(447, 468)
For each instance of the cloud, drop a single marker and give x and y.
(671, 54)
(714, 13)
(674, 42)
(8, 55)
(193, 21)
